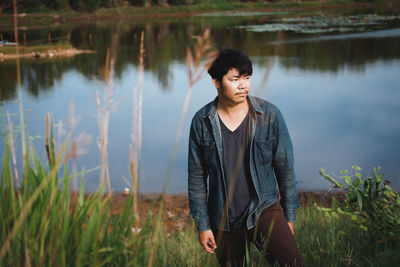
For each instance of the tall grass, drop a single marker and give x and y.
(321, 241)
(41, 225)
(325, 241)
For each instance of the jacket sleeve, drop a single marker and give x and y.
(284, 169)
(197, 179)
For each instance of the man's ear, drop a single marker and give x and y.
(216, 83)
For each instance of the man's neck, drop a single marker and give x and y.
(232, 114)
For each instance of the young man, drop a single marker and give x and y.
(240, 161)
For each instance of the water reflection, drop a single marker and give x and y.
(337, 92)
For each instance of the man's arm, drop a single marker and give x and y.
(284, 170)
(197, 179)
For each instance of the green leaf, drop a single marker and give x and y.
(363, 227)
(355, 167)
(348, 180)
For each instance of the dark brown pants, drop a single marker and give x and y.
(271, 236)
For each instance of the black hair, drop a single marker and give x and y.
(228, 59)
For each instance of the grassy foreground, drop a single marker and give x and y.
(42, 225)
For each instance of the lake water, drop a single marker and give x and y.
(335, 78)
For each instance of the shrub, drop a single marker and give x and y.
(371, 203)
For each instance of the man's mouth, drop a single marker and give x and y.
(241, 93)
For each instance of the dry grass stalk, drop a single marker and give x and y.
(104, 113)
(136, 135)
(265, 77)
(46, 137)
(133, 173)
(271, 63)
(6, 244)
(78, 144)
(19, 90)
(202, 51)
(14, 159)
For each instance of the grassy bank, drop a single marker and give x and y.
(322, 242)
(43, 225)
(43, 222)
(61, 17)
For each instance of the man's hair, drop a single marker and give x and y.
(228, 59)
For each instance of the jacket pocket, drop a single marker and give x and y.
(263, 149)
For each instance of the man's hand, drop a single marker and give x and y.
(291, 226)
(207, 241)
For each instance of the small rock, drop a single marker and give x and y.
(126, 191)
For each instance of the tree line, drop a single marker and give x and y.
(6, 6)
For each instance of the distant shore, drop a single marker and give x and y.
(63, 17)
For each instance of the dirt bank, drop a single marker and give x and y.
(176, 215)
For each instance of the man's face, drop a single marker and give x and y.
(234, 87)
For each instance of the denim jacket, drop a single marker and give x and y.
(271, 166)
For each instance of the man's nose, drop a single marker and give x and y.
(241, 84)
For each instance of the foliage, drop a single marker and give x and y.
(325, 241)
(43, 225)
(371, 204)
(53, 225)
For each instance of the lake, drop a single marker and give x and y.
(334, 77)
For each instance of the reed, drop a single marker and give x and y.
(19, 89)
(48, 227)
(202, 52)
(104, 106)
(136, 135)
(13, 153)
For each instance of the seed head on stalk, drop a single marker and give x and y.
(105, 106)
(202, 52)
(136, 134)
